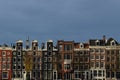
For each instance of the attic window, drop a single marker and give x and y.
(81, 45)
(112, 43)
(97, 42)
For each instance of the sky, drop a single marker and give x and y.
(78, 20)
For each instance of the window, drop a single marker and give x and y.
(86, 59)
(34, 59)
(67, 56)
(18, 75)
(113, 66)
(19, 59)
(45, 66)
(14, 67)
(14, 59)
(66, 66)
(34, 48)
(86, 66)
(3, 66)
(18, 67)
(99, 73)
(97, 57)
(45, 75)
(49, 53)
(91, 50)
(102, 57)
(76, 59)
(81, 60)
(34, 53)
(101, 64)
(108, 74)
(19, 53)
(49, 75)
(97, 50)
(60, 76)
(23, 67)
(81, 67)
(3, 53)
(97, 64)
(108, 52)
(59, 66)
(68, 47)
(4, 75)
(97, 43)
(108, 59)
(67, 76)
(112, 74)
(45, 59)
(81, 46)
(14, 74)
(55, 75)
(8, 59)
(92, 64)
(112, 52)
(49, 66)
(14, 53)
(50, 46)
(76, 67)
(4, 59)
(38, 73)
(77, 75)
(38, 59)
(49, 59)
(102, 50)
(112, 43)
(33, 66)
(8, 53)
(113, 58)
(92, 57)
(108, 66)
(8, 66)
(81, 52)
(38, 66)
(95, 73)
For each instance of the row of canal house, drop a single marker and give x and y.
(99, 59)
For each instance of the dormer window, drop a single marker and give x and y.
(97, 43)
(112, 43)
(81, 45)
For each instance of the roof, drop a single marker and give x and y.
(93, 42)
(110, 40)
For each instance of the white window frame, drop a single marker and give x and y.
(93, 57)
(92, 51)
(3, 53)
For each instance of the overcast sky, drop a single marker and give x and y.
(78, 20)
